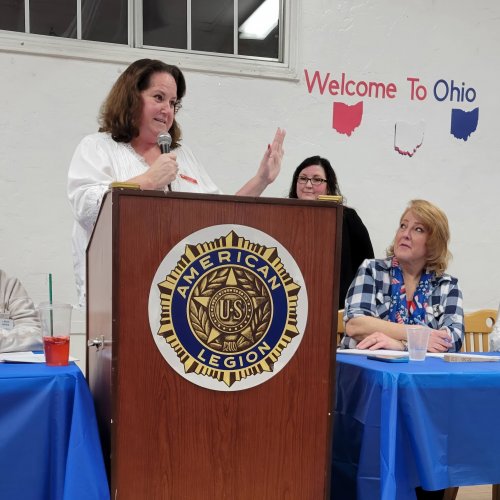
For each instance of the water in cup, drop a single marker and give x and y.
(418, 338)
(418, 354)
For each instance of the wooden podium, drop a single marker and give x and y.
(167, 438)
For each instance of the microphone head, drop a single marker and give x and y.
(164, 139)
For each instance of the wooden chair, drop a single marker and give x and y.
(340, 326)
(478, 326)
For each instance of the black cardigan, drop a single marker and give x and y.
(356, 247)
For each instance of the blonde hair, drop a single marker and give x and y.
(436, 224)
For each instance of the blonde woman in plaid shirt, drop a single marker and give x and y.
(408, 287)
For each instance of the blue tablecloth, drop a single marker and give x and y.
(397, 426)
(49, 443)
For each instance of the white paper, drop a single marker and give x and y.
(25, 357)
(367, 352)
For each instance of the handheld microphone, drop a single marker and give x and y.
(164, 140)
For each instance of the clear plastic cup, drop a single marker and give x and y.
(418, 339)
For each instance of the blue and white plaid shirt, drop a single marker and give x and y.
(370, 295)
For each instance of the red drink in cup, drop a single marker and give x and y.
(55, 321)
(56, 350)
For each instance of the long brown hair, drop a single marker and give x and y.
(121, 111)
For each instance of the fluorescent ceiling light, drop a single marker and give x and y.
(262, 21)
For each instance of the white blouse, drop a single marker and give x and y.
(97, 162)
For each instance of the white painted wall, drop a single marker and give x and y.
(47, 104)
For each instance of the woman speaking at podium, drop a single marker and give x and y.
(141, 108)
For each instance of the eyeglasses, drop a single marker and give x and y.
(315, 181)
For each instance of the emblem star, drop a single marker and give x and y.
(214, 335)
(247, 333)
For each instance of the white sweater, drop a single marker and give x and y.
(97, 162)
(16, 305)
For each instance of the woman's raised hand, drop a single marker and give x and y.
(269, 167)
(271, 162)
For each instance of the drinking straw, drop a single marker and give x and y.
(50, 302)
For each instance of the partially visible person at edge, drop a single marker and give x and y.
(410, 286)
(143, 102)
(314, 177)
(19, 323)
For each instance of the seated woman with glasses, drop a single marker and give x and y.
(314, 177)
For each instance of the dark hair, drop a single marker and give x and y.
(121, 111)
(332, 186)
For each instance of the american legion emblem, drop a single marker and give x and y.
(227, 307)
